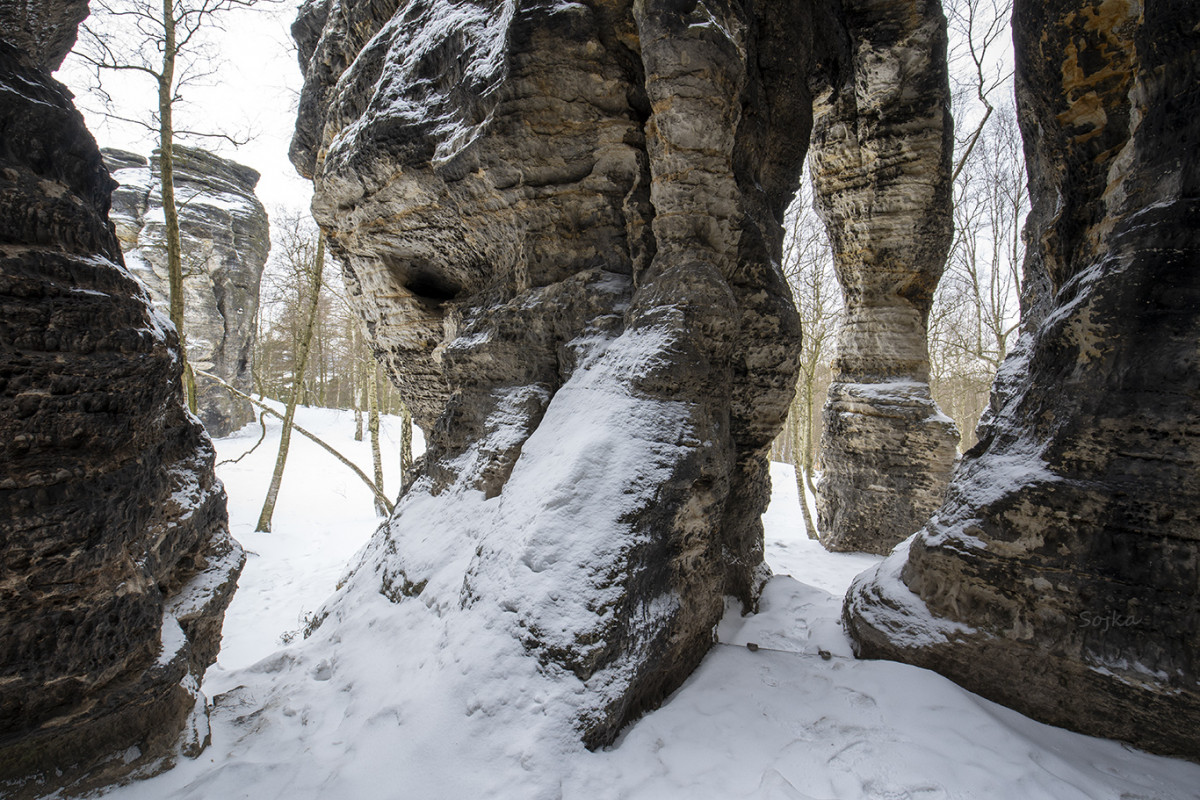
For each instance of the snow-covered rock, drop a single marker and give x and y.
(1068, 548)
(377, 709)
(225, 236)
(115, 558)
(560, 222)
(881, 162)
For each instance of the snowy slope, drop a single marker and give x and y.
(323, 516)
(377, 706)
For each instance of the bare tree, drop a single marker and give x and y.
(316, 269)
(977, 307)
(808, 265)
(979, 30)
(356, 371)
(406, 451)
(161, 40)
(373, 427)
(266, 410)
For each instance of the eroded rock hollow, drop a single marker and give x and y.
(882, 145)
(116, 564)
(226, 238)
(1062, 575)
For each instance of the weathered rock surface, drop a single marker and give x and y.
(561, 223)
(115, 560)
(226, 238)
(881, 172)
(42, 32)
(1062, 574)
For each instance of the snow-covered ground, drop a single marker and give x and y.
(323, 515)
(779, 723)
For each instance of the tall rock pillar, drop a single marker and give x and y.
(116, 563)
(561, 224)
(882, 144)
(1062, 574)
(226, 239)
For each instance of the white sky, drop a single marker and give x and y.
(255, 90)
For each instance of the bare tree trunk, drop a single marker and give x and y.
(798, 460)
(321, 378)
(406, 453)
(810, 435)
(356, 373)
(379, 496)
(268, 509)
(373, 427)
(166, 143)
(259, 356)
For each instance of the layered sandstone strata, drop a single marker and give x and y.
(561, 223)
(882, 145)
(225, 235)
(1061, 577)
(115, 559)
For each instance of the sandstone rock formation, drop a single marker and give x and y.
(115, 560)
(225, 237)
(42, 33)
(561, 222)
(1060, 577)
(881, 171)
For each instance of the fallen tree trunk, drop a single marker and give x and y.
(379, 495)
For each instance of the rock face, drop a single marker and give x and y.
(1060, 577)
(115, 560)
(42, 32)
(561, 224)
(881, 170)
(226, 239)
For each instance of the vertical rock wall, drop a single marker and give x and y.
(1062, 574)
(561, 225)
(881, 170)
(115, 560)
(226, 238)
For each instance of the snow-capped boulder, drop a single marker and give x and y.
(115, 560)
(1060, 577)
(225, 236)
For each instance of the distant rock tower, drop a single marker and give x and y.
(225, 244)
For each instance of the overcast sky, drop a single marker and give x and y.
(254, 90)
